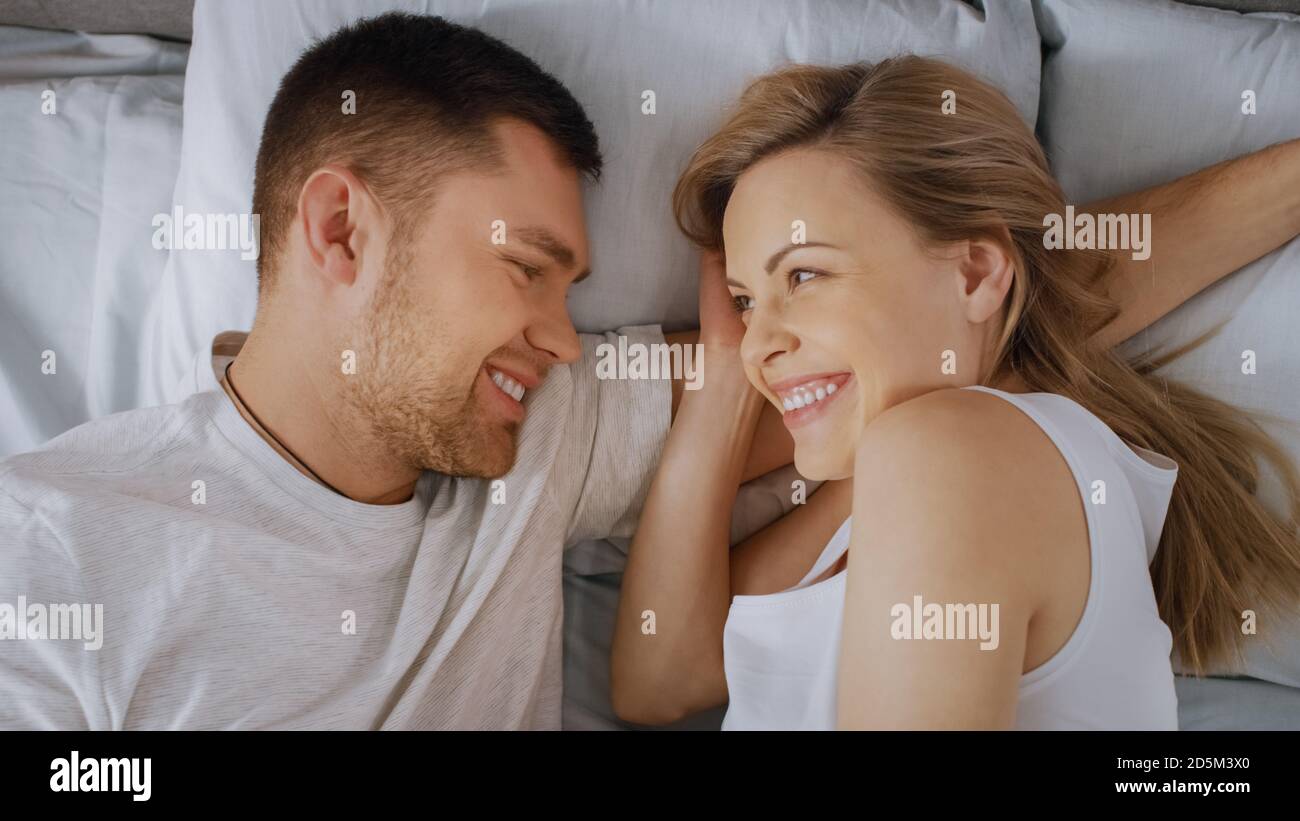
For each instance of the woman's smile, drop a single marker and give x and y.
(805, 399)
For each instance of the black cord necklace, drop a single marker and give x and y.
(239, 400)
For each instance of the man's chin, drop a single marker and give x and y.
(471, 447)
(493, 457)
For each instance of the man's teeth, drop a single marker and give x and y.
(508, 385)
(806, 395)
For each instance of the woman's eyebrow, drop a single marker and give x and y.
(776, 258)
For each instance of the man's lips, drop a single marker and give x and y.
(505, 394)
(525, 377)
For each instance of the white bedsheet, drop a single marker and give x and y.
(78, 190)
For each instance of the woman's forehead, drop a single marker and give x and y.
(802, 196)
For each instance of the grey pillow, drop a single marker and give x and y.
(1135, 94)
(695, 56)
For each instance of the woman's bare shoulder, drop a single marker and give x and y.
(962, 428)
(971, 471)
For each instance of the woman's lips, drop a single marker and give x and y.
(806, 399)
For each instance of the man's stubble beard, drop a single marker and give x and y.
(411, 408)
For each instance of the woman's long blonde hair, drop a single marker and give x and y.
(979, 172)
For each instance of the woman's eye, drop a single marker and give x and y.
(797, 276)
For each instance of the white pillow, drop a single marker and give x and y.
(1135, 94)
(696, 55)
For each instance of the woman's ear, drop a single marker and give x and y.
(985, 273)
(330, 206)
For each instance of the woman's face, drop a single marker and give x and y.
(857, 317)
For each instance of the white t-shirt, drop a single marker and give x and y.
(276, 603)
(781, 651)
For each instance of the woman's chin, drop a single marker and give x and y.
(823, 464)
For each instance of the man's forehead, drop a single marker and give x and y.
(561, 244)
(530, 199)
(526, 141)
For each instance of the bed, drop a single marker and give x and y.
(162, 106)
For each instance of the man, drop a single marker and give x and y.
(318, 544)
(358, 523)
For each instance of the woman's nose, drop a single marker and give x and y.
(765, 339)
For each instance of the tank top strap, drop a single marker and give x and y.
(835, 548)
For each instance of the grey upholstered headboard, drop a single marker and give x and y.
(172, 18)
(162, 18)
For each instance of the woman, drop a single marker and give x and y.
(1011, 478)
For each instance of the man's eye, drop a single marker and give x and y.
(530, 271)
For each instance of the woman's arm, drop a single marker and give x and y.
(962, 503)
(678, 577)
(1204, 226)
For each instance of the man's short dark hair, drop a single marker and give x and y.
(426, 94)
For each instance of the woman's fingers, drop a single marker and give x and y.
(719, 323)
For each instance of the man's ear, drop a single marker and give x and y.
(985, 273)
(331, 209)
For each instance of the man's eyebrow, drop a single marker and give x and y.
(776, 258)
(551, 245)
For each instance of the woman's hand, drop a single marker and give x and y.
(721, 328)
(679, 561)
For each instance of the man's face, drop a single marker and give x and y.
(462, 328)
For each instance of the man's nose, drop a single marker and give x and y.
(553, 333)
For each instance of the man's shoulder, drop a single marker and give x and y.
(112, 447)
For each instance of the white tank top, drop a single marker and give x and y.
(781, 651)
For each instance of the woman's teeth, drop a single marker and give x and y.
(805, 395)
(507, 385)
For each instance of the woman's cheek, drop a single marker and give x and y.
(872, 375)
